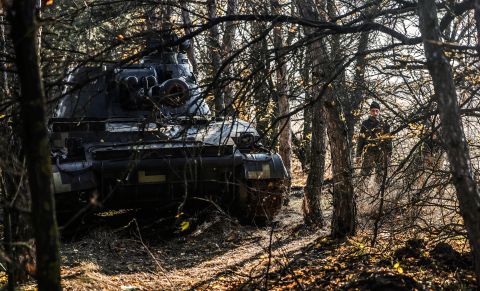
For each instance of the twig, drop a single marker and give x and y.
(269, 255)
(164, 272)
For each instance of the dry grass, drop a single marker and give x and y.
(220, 254)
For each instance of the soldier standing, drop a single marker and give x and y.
(374, 146)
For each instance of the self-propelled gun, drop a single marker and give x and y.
(141, 135)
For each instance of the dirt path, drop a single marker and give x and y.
(218, 254)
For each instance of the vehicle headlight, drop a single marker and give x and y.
(245, 140)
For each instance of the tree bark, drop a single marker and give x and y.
(259, 84)
(312, 212)
(477, 24)
(35, 143)
(158, 16)
(358, 94)
(312, 199)
(214, 43)
(228, 37)
(5, 189)
(188, 29)
(451, 126)
(15, 197)
(282, 88)
(3, 63)
(343, 217)
(307, 112)
(18, 234)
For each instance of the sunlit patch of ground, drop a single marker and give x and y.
(220, 254)
(299, 178)
(353, 265)
(216, 253)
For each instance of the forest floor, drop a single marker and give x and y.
(128, 252)
(219, 254)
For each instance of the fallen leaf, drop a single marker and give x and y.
(184, 225)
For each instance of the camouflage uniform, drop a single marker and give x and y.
(426, 160)
(375, 146)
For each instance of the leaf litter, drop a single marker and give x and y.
(220, 254)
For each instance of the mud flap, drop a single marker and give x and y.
(72, 181)
(262, 188)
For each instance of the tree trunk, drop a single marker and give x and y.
(477, 24)
(18, 234)
(38, 7)
(15, 196)
(451, 126)
(312, 212)
(358, 94)
(214, 43)
(35, 143)
(261, 96)
(282, 88)
(312, 199)
(228, 37)
(3, 62)
(307, 113)
(343, 217)
(188, 29)
(6, 191)
(341, 108)
(157, 16)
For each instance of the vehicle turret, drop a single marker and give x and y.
(141, 135)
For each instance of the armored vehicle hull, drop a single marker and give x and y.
(141, 136)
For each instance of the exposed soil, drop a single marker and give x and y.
(140, 251)
(124, 252)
